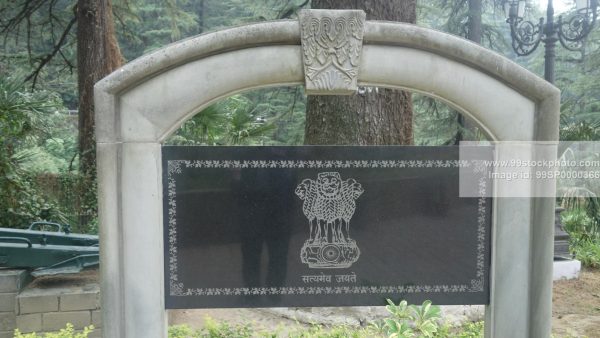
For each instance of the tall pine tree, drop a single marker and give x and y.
(375, 116)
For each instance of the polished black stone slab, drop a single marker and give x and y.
(322, 226)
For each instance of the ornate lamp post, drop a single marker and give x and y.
(527, 35)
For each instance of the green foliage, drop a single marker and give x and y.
(31, 31)
(146, 26)
(436, 123)
(587, 250)
(404, 321)
(471, 330)
(452, 16)
(180, 331)
(583, 228)
(580, 127)
(38, 149)
(68, 332)
(583, 221)
(340, 331)
(25, 123)
(411, 320)
(212, 329)
(260, 117)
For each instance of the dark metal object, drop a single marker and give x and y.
(71, 265)
(321, 226)
(48, 252)
(561, 238)
(50, 237)
(527, 35)
(43, 226)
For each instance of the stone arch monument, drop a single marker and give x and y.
(142, 103)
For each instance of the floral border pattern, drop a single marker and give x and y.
(177, 288)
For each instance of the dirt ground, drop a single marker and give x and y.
(576, 310)
(576, 306)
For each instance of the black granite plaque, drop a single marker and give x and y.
(322, 226)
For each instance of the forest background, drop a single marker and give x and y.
(46, 144)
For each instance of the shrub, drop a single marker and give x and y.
(587, 250)
(404, 321)
(67, 332)
(582, 226)
(410, 320)
(577, 221)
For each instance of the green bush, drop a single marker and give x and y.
(404, 321)
(577, 221)
(410, 320)
(470, 330)
(68, 332)
(38, 161)
(582, 226)
(586, 249)
(212, 329)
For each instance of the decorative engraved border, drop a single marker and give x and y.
(177, 288)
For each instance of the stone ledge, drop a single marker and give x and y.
(37, 303)
(13, 280)
(6, 334)
(8, 302)
(97, 318)
(29, 323)
(8, 321)
(55, 321)
(63, 297)
(567, 269)
(80, 301)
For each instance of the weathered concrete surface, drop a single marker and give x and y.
(8, 321)
(49, 303)
(30, 323)
(568, 269)
(139, 105)
(37, 303)
(326, 72)
(454, 315)
(11, 282)
(7, 301)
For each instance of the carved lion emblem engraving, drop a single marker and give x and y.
(329, 204)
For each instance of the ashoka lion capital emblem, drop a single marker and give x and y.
(329, 204)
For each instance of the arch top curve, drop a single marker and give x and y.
(138, 105)
(121, 96)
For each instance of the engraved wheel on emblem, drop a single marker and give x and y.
(330, 253)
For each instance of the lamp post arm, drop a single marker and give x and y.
(572, 32)
(526, 36)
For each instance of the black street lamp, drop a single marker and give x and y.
(526, 35)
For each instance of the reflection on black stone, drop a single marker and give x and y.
(264, 222)
(236, 226)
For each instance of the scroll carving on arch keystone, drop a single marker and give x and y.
(331, 50)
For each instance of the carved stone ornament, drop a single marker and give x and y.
(331, 49)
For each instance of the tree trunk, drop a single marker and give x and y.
(474, 33)
(98, 55)
(475, 29)
(374, 116)
(200, 13)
